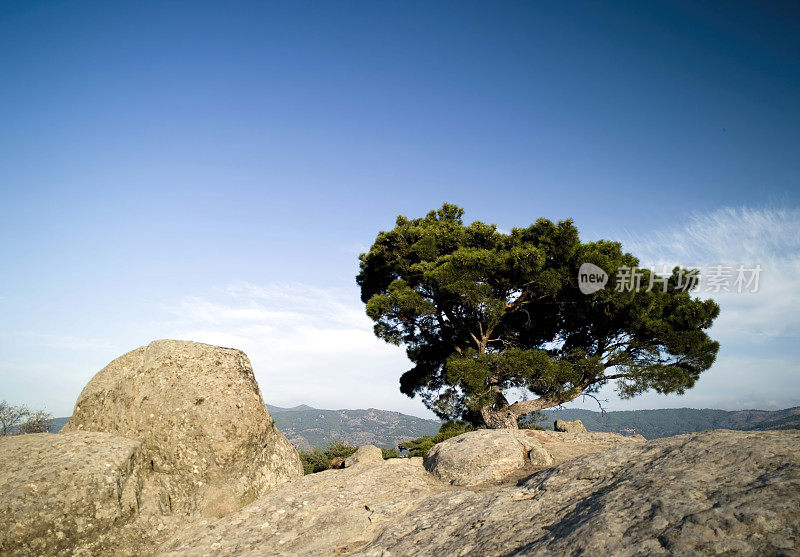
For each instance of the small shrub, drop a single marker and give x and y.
(340, 449)
(417, 447)
(318, 459)
(529, 421)
(421, 446)
(389, 453)
(314, 460)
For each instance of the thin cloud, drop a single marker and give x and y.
(307, 344)
(764, 322)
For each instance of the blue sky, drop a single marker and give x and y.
(211, 170)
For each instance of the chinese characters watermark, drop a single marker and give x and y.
(712, 279)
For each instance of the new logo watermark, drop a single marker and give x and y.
(591, 278)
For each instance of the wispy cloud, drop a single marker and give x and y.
(732, 237)
(728, 235)
(759, 360)
(307, 344)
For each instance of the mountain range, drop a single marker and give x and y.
(666, 422)
(309, 427)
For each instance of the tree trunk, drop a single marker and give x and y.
(499, 418)
(505, 417)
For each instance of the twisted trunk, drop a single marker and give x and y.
(502, 418)
(505, 416)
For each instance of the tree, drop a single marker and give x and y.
(10, 417)
(484, 314)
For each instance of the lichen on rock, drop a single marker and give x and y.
(199, 415)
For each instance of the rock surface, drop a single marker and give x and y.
(329, 513)
(564, 426)
(76, 493)
(365, 454)
(197, 409)
(698, 494)
(717, 492)
(498, 455)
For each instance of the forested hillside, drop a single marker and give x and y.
(309, 427)
(674, 421)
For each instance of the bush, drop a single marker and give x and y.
(15, 420)
(421, 446)
(529, 421)
(38, 422)
(319, 459)
(389, 453)
(339, 449)
(417, 447)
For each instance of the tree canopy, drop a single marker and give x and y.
(484, 314)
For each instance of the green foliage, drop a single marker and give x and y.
(318, 459)
(389, 453)
(482, 312)
(339, 449)
(417, 447)
(421, 446)
(314, 460)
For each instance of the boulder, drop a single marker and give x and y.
(711, 493)
(337, 463)
(364, 454)
(334, 512)
(575, 426)
(501, 455)
(482, 456)
(76, 493)
(208, 438)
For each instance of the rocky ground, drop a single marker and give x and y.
(172, 452)
(72, 493)
(164, 435)
(719, 492)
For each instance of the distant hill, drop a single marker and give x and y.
(674, 421)
(57, 423)
(309, 427)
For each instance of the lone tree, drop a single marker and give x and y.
(485, 314)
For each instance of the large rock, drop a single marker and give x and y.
(364, 454)
(486, 455)
(710, 493)
(79, 493)
(565, 426)
(205, 431)
(498, 455)
(329, 513)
